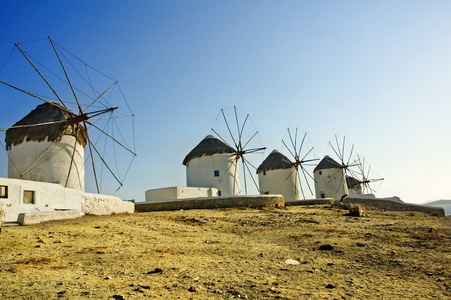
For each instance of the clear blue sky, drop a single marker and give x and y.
(378, 72)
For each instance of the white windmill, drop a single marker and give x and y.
(79, 109)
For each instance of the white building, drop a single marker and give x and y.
(212, 163)
(175, 193)
(330, 181)
(278, 175)
(48, 153)
(46, 170)
(354, 185)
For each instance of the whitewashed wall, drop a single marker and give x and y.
(48, 197)
(330, 183)
(280, 181)
(200, 173)
(53, 166)
(177, 192)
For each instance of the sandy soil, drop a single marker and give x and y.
(230, 253)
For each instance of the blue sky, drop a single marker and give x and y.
(377, 72)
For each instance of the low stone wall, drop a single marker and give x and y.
(45, 216)
(320, 201)
(389, 205)
(259, 201)
(97, 204)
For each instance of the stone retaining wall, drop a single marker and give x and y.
(260, 201)
(321, 201)
(389, 205)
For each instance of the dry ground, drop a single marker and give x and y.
(230, 253)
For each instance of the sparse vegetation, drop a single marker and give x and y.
(230, 253)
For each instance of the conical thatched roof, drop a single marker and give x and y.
(327, 163)
(46, 112)
(208, 146)
(274, 161)
(352, 182)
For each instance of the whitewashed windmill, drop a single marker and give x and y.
(330, 179)
(366, 182)
(212, 163)
(52, 151)
(48, 144)
(236, 132)
(278, 175)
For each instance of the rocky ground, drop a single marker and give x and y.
(292, 253)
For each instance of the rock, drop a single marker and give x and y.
(156, 271)
(361, 245)
(330, 286)
(326, 247)
(292, 262)
(118, 297)
(356, 211)
(192, 289)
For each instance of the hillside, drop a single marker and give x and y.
(230, 253)
(439, 202)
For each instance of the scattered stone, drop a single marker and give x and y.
(118, 297)
(330, 286)
(107, 278)
(361, 245)
(292, 262)
(62, 293)
(326, 247)
(146, 287)
(356, 211)
(86, 293)
(192, 289)
(428, 273)
(155, 271)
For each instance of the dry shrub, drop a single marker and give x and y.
(427, 236)
(300, 236)
(36, 260)
(90, 250)
(331, 230)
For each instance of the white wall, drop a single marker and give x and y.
(53, 166)
(200, 173)
(48, 197)
(177, 192)
(280, 181)
(331, 183)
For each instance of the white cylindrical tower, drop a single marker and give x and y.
(212, 163)
(278, 175)
(330, 181)
(49, 153)
(354, 185)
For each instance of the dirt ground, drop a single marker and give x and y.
(230, 253)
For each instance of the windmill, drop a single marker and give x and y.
(346, 160)
(234, 129)
(303, 158)
(80, 106)
(364, 179)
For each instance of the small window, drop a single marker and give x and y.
(219, 193)
(3, 191)
(264, 172)
(28, 197)
(216, 173)
(320, 173)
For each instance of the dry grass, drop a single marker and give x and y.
(230, 253)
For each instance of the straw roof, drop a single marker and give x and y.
(275, 161)
(327, 163)
(46, 112)
(207, 147)
(352, 182)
